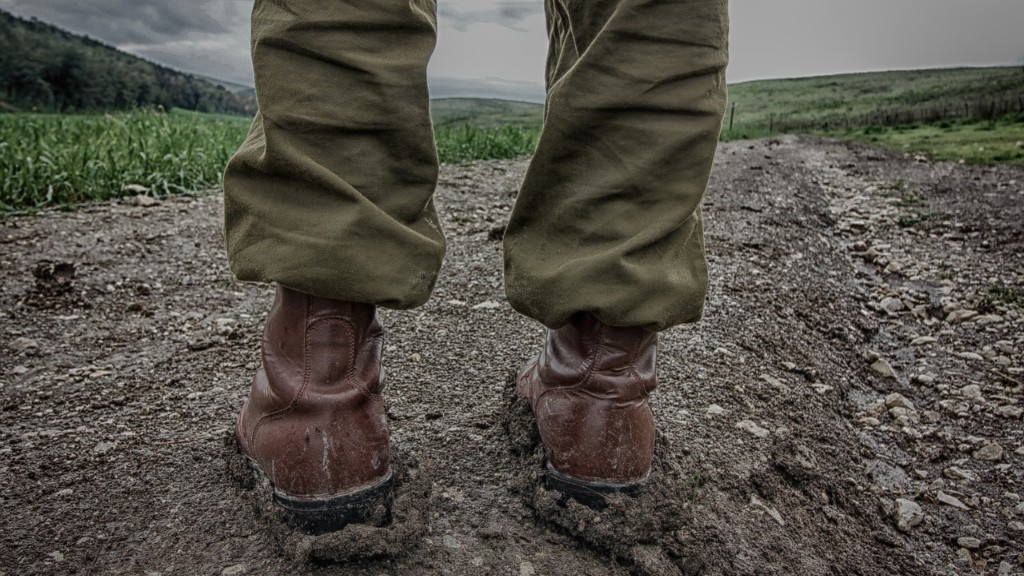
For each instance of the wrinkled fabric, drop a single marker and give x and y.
(331, 192)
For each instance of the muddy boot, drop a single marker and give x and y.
(588, 391)
(314, 422)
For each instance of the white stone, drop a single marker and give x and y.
(716, 410)
(908, 514)
(897, 400)
(958, 316)
(991, 452)
(971, 392)
(752, 427)
(883, 368)
(950, 500)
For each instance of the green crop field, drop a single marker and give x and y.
(870, 98)
(55, 160)
(48, 160)
(60, 160)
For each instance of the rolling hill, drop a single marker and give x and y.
(45, 68)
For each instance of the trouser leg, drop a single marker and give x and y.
(608, 218)
(330, 194)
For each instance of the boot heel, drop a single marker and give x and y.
(590, 494)
(318, 516)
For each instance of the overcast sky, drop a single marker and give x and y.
(497, 48)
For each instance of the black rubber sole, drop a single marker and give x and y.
(590, 494)
(320, 516)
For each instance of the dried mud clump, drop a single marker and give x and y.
(388, 533)
(54, 286)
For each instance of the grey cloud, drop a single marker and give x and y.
(510, 14)
(136, 21)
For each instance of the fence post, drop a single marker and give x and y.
(732, 116)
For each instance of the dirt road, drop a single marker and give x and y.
(851, 403)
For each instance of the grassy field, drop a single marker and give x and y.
(975, 142)
(48, 160)
(857, 97)
(486, 113)
(53, 160)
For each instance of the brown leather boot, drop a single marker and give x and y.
(588, 391)
(314, 422)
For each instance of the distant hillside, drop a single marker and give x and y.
(48, 69)
(876, 98)
(485, 112)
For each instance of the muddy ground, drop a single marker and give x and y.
(850, 404)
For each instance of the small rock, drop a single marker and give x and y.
(456, 303)
(22, 344)
(57, 556)
(958, 316)
(897, 400)
(883, 368)
(971, 392)
(526, 569)
(775, 383)
(753, 428)
(487, 305)
(451, 542)
(891, 305)
(415, 357)
(144, 201)
(136, 189)
(950, 500)
(991, 452)
(19, 370)
(1010, 411)
(988, 319)
(969, 542)
(1005, 568)
(954, 473)
(907, 514)
(104, 447)
(923, 340)
(234, 570)
(970, 356)
(716, 410)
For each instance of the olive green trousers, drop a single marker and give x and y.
(331, 191)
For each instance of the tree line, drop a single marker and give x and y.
(44, 68)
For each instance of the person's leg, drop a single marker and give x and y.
(608, 219)
(330, 197)
(331, 192)
(605, 244)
